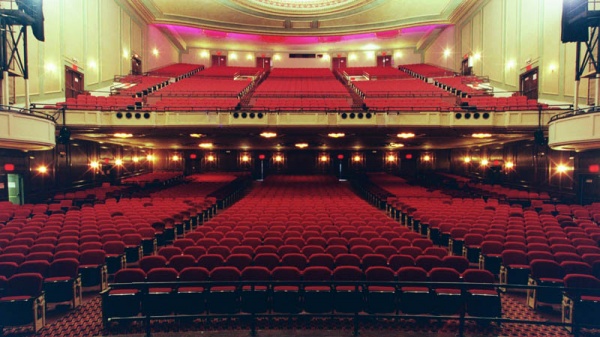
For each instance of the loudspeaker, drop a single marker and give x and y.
(64, 135)
(34, 9)
(538, 137)
(574, 23)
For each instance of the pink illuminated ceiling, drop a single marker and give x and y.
(389, 39)
(300, 24)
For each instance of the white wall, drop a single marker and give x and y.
(435, 53)
(511, 35)
(95, 36)
(160, 51)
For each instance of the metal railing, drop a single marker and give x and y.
(359, 316)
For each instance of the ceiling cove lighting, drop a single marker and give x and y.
(268, 134)
(336, 134)
(396, 145)
(481, 135)
(205, 145)
(196, 135)
(123, 135)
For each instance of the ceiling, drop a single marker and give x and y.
(248, 138)
(289, 25)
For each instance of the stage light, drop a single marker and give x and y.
(42, 169)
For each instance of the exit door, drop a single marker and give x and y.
(264, 63)
(384, 61)
(218, 61)
(529, 83)
(338, 63)
(15, 188)
(73, 83)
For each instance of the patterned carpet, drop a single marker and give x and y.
(86, 321)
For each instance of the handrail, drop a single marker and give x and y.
(30, 112)
(360, 287)
(572, 113)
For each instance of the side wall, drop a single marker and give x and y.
(510, 36)
(95, 37)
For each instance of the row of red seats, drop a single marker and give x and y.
(374, 72)
(301, 73)
(397, 88)
(230, 72)
(215, 257)
(177, 70)
(425, 70)
(108, 103)
(296, 297)
(195, 103)
(195, 86)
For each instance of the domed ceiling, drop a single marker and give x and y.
(278, 24)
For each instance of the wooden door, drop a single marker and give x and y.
(218, 61)
(529, 83)
(339, 63)
(73, 83)
(264, 63)
(384, 61)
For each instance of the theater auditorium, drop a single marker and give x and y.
(299, 168)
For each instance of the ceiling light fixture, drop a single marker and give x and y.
(123, 135)
(336, 134)
(301, 145)
(196, 135)
(206, 145)
(396, 145)
(481, 135)
(406, 135)
(267, 134)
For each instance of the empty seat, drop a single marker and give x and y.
(380, 298)
(22, 302)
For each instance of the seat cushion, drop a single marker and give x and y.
(414, 289)
(190, 290)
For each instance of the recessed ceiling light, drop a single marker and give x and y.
(406, 135)
(336, 134)
(268, 134)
